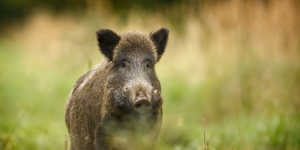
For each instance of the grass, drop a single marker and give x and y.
(228, 81)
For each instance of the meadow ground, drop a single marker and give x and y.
(230, 76)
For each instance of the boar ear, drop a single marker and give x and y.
(160, 39)
(107, 41)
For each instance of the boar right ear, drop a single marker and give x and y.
(107, 41)
(160, 39)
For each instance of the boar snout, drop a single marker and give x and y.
(140, 93)
(142, 104)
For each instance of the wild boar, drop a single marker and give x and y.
(118, 103)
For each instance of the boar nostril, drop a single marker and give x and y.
(142, 106)
(137, 105)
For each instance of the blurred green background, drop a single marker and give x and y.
(230, 75)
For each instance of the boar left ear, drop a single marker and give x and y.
(160, 39)
(107, 41)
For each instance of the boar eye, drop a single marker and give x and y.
(123, 64)
(148, 64)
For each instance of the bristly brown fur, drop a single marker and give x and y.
(99, 115)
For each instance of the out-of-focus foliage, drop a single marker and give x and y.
(14, 10)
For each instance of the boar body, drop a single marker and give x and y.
(118, 104)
